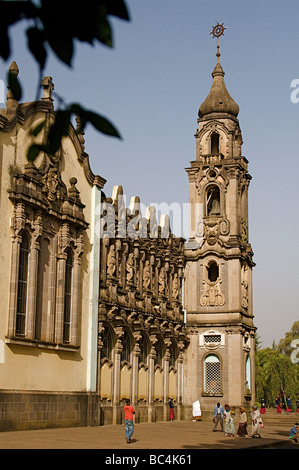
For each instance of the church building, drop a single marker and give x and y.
(100, 302)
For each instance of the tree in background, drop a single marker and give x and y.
(285, 345)
(276, 374)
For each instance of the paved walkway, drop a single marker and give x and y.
(184, 435)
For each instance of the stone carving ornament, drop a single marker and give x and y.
(175, 286)
(111, 261)
(212, 295)
(53, 187)
(146, 275)
(130, 268)
(211, 231)
(162, 281)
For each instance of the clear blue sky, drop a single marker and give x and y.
(151, 85)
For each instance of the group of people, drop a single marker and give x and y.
(279, 405)
(225, 416)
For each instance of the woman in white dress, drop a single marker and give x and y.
(256, 422)
(229, 426)
(196, 411)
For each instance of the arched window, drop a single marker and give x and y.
(213, 200)
(107, 344)
(172, 355)
(143, 350)
(68, 297)
(22, 285)
(42, 300)
(215, 143)
(212, 374)
(126, 352)
(248, 376)
(213, 271)
(159, 353)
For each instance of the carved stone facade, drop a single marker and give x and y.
(49, 220)
(91, 316)
(142, 336)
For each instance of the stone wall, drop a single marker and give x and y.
(23, 410)
(30, 410)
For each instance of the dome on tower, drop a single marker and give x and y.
(219, 99)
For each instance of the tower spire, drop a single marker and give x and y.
(218, 31)
(219, 99)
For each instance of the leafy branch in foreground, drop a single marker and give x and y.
(54, 26)
(60, 128)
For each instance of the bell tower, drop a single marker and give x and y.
(219, 362)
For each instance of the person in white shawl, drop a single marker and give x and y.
(229, 426)
(196, 411)
(257, 422)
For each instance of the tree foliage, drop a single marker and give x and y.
(285, 345)
(53, 27)
(275, 373)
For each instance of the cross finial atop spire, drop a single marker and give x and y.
(218, 31)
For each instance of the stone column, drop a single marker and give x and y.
(63, 244)
(32, 278)
(76, 307)
(60, 290)
(49, 328)
(101, 329)
(12, 309)
(232, 203)
(116, 375)
(135, 369)
(135, 362)
(151, 378)
(166, 386)
(180, 372)
(32, 289)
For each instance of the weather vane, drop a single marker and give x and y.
(218, 31)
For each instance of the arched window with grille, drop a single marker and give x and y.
(22, 286)
(212, 374)
(68, 297)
